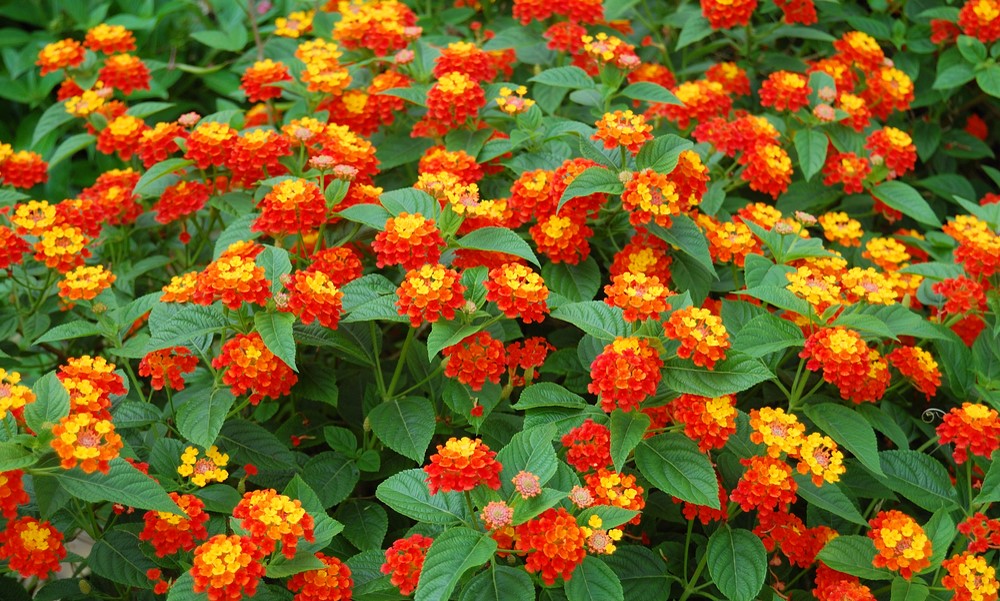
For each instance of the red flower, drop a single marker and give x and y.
(563, 239)
(210, 144)
(312, 297)
(409, 240)
(341, 264)
(24, 169)
(168, 366)
(228, 568)
(588, 446)
(918, 366)
(12, 493)
(893, 148)
(331, 583)
(259, 78)
(257, 154)
(972, 428)
(766, 484)
(181, 199)
(626, 373)
(708, 421)
(554, 543)
(430, 293)
(785, 91)
(32, 547)
(518, 292)
(404, 560)
(901, 543)
(292, 206)
(475, 359)
(271, 518)
(728, 14)
(252, 368)
(978, 18)
(702, 336)
(125, 72)
(170, 533)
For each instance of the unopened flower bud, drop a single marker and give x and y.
(189, 119)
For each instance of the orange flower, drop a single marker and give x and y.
(292, 206)
(497, 515)
(554, 544)
(90, 381)
(588, 446)
(563, 36)
(271, 518)
(888, 253)
(228, 568)
(63, 54)
(252, 367)
(451, 102)
(125, 72)
(980, 19)
(623, 129)
(867, 285)
(404, 560)
(180, 200)
(708, 421)
(960, 295)
(210, 144)
(901, 543)
(625, 373)
(475, 359)
(893, 148)
(643, 254)
(780, 529)
(32, 547)
(166, 367)
(918, 366)
(85, 283)
(13, 395)
(513, 102)
(380, 26)
(702, 99)
(84, 440)
(170, 533)
(109, 39)
(768, 169)
(660, 74)
(971, 577)
(972, 428)
(294, 25)
(12, 493)
(158, 143)
(726, 14)
(232, 279)
(640, 297)
(983, 532)
(845, 360)
(563, 239)
(860, 49)
(651, 196)
(518, 292)
(465, 58)
(526, 484)
(702, 336)
(848, 169)
(608, 487)
(766, 484)
(840, 228)
(24, 169)
(206, 469)
(785, 91)
(530, 197)
(818, 456)
(729, 241)
(430, 293)
(798, 11)
(314, 297)
(409, 240)
(780, 431)
(458, 163)
(259, 79)
(733, 79)
(12, 248)
(528, 355)
(257, 154)
(858, 113)
(889, 89)
(181, 288)
(836, 586)
(330, 583)
(462, 464)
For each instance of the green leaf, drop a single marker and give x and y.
(643, 574)
(498, 239)
(151, 184)
(119, 558)
(734, 374)
(673, 463)
(650, 92)
(661, 153)
(684, 235)
(122, 484)
(146, 109)
(766, 334)
(365, 523)
(592, 180)
(908, 590)
(811, 146)
(829, 497)
(989, 80)
(251, 443)
(920, 478)
(13, 456)
(452, 554)
(850, 430)
(853, 554)
(276, 263)
(990, 491)
(593, 580)
(282, 567)
(695, 29)
(406, 493)
(332, 476)
(51, 403)
(231, 40)
(971, 49)
(905, 199)
(548, 394)
(371, 215)
(595, 318)
(199, 420)
(412, 201)
(530, 451)
(404, 425)
(52, 119)
(611, 516)
(69, 147)
(627, 430)
(953, 76)
(447, 333)
(573, 78)
(499, 583)
(187, 324)
(577, 283)
(737, 562)
(275, 331)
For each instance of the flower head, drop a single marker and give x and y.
(623, 129)
(166, 367)
(32, 547)
(785, 91)
(918, 366)
(860, 49)
(330, 583)
(588, 446)
(170, 533)
(14, 396)
(410, 240)
(893, 148)
(981, 20)
(901, 543)
(726, 14)
(462, 464)
(125, 72)
(228, 568)
(973, 428)
(651, 196)
(404, 560)
(205, 469)
(766, 484)
(768, 169)
(971, 577)
(84, 440)
(270, 518)
(63, 54)
(476, 359)
(292, 206)
(259, 80)
(781, 432)
(518, 291)
(430, 293)
(497, 515)
(209, 144)
(625, 373)
(513, 102)
(233, 278)
(848, 169)
(554, 543)
(702, 336)
(252, 367)
(12, 493)
(820, 458)
(616, 489)
(708, 421)
(85, 283)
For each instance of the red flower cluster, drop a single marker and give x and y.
(253, 368)
(626, 373)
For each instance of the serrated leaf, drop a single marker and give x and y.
(592, 180)
(148, 184)
(499, 583)
(737, 562)
(593, 580)
(51, 403)
(577, 283)
(452, 554)
(829, 497)
(248, 442)
(573, 78)
(648, 91)
(766, 334)
(530, 451)
(674, 464)
(685, 236)
(595, 318)
(276, 263)
(990, 491)
(186, 325)
(404, 425)
(853, 554)
(407, 494)
(283, 567)
(734, 374)
(69, 147)
(118, 557)
(365, 523)
(412, 201)
(498, 239)
(989, 80)
(850, 430)
(920, 478)
(371, 215)
(122, 484)
(445, 333)
(200, 419)
(331, 476)
(627, 431)
(905, 199)
(14, 456)
(908, 590)
(548, 394)
(52, 119)
(811, 146)
(275, 331)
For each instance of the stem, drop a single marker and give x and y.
(400, 362)
(429, 377)
(472, 508)
(688, 589)
(687, 545)
(379, 378)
